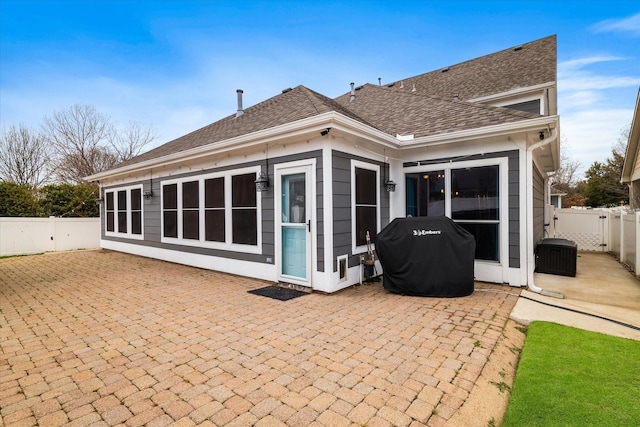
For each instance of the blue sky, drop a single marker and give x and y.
(177, 64)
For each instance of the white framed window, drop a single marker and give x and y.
(365, 204)
(474, 194)
(124, 212)
(219, 210)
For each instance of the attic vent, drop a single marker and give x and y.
(286, 90)
(359, 87)
(515, 49)
(391, 85)
(444, 70)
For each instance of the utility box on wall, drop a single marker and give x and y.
(557, 256)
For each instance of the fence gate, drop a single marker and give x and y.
(589, 229)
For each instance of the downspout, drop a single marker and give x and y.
(530, 253)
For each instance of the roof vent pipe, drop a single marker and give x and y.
(240, 110)
(379, 81)
(353, 92)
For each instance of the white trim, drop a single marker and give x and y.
(244, 268)
(373, 167)
(128, 234)
(228, 245)
(490, 271)
(301, 129)
(308, 167)
(514, 92)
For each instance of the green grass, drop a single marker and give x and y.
(570, 377)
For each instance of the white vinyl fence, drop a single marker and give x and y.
(21, 236)
(603, 230)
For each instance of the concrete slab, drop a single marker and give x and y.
(603, 297)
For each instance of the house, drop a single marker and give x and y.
(473, 141)
(556, 196)
(631, 167)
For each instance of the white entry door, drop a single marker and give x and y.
(294, 210)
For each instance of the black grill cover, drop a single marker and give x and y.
(426, 256)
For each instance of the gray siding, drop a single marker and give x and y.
(341, 171)
(513, 197)
(152, 212)
(538, 206)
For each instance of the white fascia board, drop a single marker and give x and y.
(514, 92)
(318, 123)
(528, 125)
(632, 156)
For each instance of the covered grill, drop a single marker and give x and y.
(427, 256)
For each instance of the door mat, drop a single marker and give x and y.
(278, 292)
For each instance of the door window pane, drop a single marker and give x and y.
(486, 235)
(474, 193)
(425, 194)
(293, 199)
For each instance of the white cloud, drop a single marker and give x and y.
(627, 25)
(590, 134)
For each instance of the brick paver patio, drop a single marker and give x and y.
(92, 338)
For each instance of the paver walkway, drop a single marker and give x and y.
(104, 338)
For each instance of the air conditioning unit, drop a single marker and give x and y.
(557, 256)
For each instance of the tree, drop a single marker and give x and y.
(129, 141)
(86, 142)
(18, 200)
(602, 186)
(24, 156)
(79, 136)
(67, 200)
(566, 177)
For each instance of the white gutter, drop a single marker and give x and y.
(529, 235)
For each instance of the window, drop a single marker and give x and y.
(220, 211)
(190, 210)
(124, 212)
(244, 209)
(468, 195)
(365, 196)
(170, 210)
(110, 209)
(214, 223)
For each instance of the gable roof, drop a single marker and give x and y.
(402, 113)
(523, 66)
(289, 106)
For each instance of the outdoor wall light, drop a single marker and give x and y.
(99, 200)
(541, 135)
(262, 183)
(389, 185)
(148, 194)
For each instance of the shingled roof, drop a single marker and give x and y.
(395, 112)
(518, 67)
(395, 108)
(289, 106)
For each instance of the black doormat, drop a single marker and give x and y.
(278, 292)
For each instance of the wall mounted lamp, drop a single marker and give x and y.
(99, 201)
(148, 194)
(389, 185)
(262, 182)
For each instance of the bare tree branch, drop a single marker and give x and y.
(24, 157)
(79, 136)
(129, 142)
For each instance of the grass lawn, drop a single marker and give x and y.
(570, 377)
